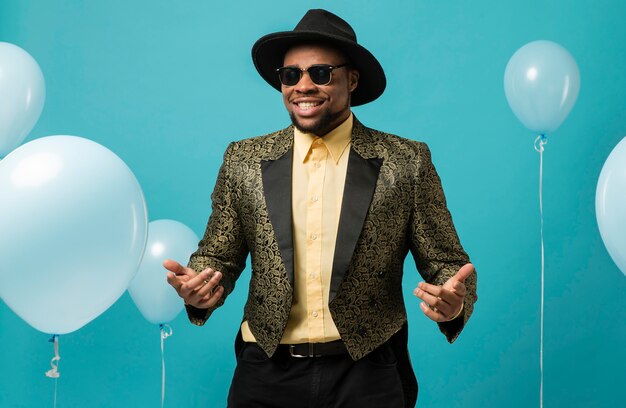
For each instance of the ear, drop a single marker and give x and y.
(353, 79)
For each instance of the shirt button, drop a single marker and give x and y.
(313, 276)
(314, 314)
(314, 199)
(317, 165)
(313, 237)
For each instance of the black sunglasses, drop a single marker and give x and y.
(320, 74)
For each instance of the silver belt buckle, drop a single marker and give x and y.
(292, 347)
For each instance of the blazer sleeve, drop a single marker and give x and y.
(435, 245)
(223, 246)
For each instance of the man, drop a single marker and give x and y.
(328, 210)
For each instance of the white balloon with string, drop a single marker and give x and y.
(541, 84)
(157, 301)
(73, 224)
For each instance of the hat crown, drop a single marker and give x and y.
(325, 22)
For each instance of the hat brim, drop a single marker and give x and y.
(269, 51)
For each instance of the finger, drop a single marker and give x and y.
(173, 281)
(172, 265)
(196, 283)
(458, 287)
(450, 296)
(455, 286)
(431, 314)
(210, 285)
(211, 299)
(464, 272)
(177, 268)
(438, 303)
(434, 290)
(202, 278)
(176, 281)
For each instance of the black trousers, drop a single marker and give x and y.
(283, 381)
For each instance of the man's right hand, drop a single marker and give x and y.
(200, 290)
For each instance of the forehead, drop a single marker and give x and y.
(313, 54)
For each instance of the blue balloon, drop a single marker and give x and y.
(541, 82)
(611, 204)
(22, 94)
(157, 301)
(74, 227)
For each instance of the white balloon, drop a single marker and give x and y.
(74, 227)
(541, 83)
(611, 204)
(157, 301)
(22, 95)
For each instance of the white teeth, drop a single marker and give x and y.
(307, 105)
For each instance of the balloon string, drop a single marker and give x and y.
(56, 381)
(166, 331)
(540, 141)
(54, 365)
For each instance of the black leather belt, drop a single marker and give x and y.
(305, 350)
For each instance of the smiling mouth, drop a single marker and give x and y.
(307, 105)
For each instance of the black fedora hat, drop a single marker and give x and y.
(321, 26)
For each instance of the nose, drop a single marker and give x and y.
(305, 85)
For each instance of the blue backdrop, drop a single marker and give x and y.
(167, 85)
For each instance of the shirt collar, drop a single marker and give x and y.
(336, 140)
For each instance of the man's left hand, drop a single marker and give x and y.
(444, 303)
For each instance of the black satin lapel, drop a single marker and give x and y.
(277, 191)
(361, 179)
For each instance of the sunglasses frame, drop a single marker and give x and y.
(331, 68)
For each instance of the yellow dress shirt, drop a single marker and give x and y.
(319, 173)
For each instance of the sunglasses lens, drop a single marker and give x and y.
(289, 76)
(320, 75)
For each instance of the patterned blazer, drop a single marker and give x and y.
(393, 203)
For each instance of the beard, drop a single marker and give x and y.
(327, 122)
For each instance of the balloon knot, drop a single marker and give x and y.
(166, 331)
(541, 141)
(54, 363)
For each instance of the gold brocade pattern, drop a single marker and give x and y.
(407, 213)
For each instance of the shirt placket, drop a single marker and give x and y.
(316, 170)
